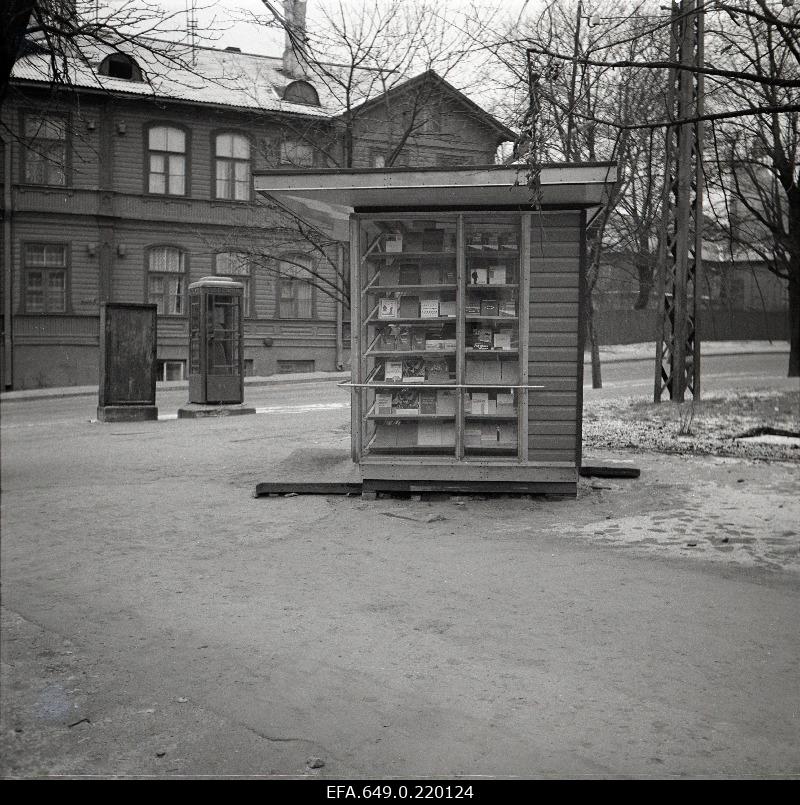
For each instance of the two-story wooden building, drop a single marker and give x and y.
(138, 181)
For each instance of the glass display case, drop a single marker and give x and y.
(442, 355)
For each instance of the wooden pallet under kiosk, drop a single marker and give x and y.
(467, 359)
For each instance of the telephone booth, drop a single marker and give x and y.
(216, 367)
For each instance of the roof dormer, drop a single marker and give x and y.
(120, 65)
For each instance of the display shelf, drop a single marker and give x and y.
(492, 417)
(442, 286)
(497, 352)
(409, 255)
(410, 353)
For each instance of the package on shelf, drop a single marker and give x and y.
(388, 308)
(393, 371)
(472, 307)
(491, 406)
(428, 434)
(478, 402)
(481, 337)
(489, 307)
(405, 401)
(427, 402)
(413, 370)
(505, 403)
(508, 307)
(502, 340)
(450, 344)
(445, 402)
(447, 308)
(383, 403)
(409, 307)
(409, 274)
(490, 433)
(474, 371)
(472, 434)
(434, 343)
(388, 338)
(509, 372)
(437, 371)
(404, 339)
(478, 276)
(393, 242)
(418, 340)
(496, 275)
(390, 275)
(429, 308)
(449, 275)
(430, 275)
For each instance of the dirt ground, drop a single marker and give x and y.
(163, 623)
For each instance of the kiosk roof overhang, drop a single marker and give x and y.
(326, 198)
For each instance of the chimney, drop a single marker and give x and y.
(294, 11)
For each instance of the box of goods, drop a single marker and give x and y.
(430, 275)
(406, 401)
(408, 274)
(447, 432)
(475, 240)
(393, 371)
(472, 435)
(407, 434)
(478, 276)
(505, 404)
(490, 433)
(450, 344)
(388, 339)
(489, 307)
(502, 340)
(508, 307)
(447, 308)
(414, 371)
(393, 242)
(432, 240)
(418, 340)
(510, 372)
(449, 275)
(413, 241)
(429, 308)
(437, 371)
(472, 308)
(383, 404)
(434, 343)
(388, 308)
(427, 402)
(409, 307)
(491, 406)
(496, 275)
(479, 402)
(445, 402)
(482, 338)
(404, 339)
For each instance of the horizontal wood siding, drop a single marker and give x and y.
(553, 339)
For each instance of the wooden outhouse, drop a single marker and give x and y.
(466, 348)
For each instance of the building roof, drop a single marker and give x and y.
(175, 71)
(227, 78)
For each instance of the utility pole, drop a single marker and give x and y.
(677, 368)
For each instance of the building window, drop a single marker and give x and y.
(170, 370)
(46, 152)
(295, 293)
(297, 154)
(166, 161)
(233, 166)
(45, 278)
(236, 265)
(301, 92)
(118, 65)
(166, 280)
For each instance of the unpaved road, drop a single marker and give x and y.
(158, 620)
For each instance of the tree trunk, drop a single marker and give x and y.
(794, 324)
(597, 377)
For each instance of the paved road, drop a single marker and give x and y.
(313, 400)
(158, 620)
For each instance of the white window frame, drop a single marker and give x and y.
(232, 153)
(166, 161)
(50, 262)
(45, 161)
